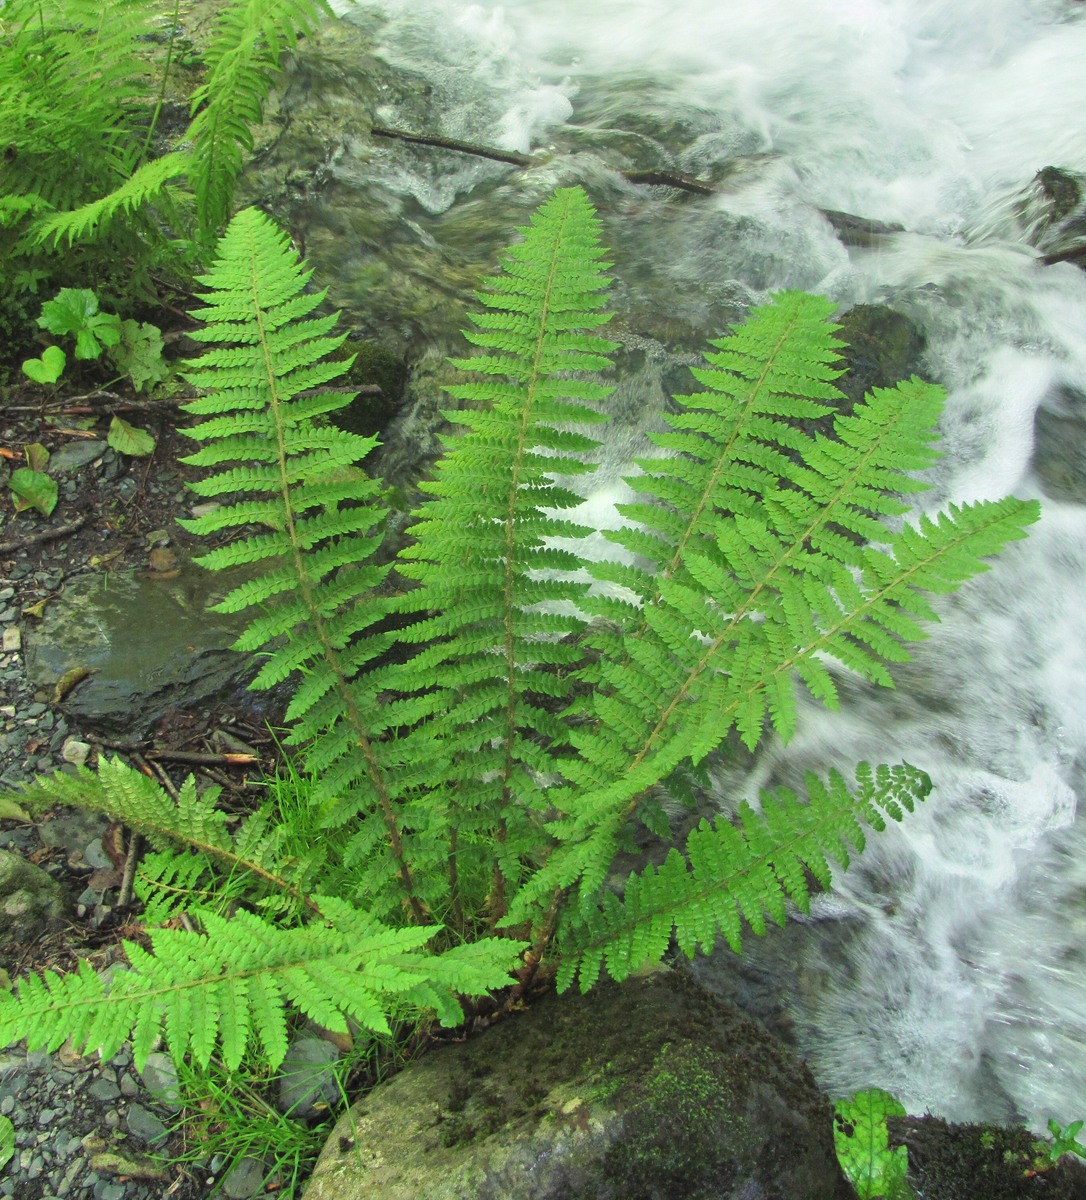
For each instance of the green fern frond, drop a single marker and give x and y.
(759, 532)
(168, 883)
(734, 873)
(265, 377)
(144, 184)
(124, 794)
(497, 645)
(232, 985)
(70, 77)
(242, 59)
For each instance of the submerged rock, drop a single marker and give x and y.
(646, 1090)
(884, 347)
(1053, 211)
(1059, 447)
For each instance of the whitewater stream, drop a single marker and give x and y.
(949, 965)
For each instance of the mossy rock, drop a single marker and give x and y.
(648, 1090)
(374, 367)
(968, 1162)
(884, 347)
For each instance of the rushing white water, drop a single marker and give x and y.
(961, 986)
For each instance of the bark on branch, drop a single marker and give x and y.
(673, 179)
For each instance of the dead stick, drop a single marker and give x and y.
(193, 757)
(673, 179)
(135, 846)
(46, 535)
(200, 759)
(505, 156)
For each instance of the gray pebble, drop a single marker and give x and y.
(244, 1179)
(104, 1089)
(160, 1078)
(144, 1124)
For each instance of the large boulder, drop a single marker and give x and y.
(648, 1090)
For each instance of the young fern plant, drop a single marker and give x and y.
(468, 794)
(87, 186)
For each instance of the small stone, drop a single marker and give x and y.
(75, 751)
(34, 710)
(307, 1082)
(244, 1179)
(94, 855)
(103, 1089)
(144, 1124)
(75, 455)
(6, 594)
(13, 639)
(160, 1078)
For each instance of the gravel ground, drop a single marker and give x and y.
(83, 1128)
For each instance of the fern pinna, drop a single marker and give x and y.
(484, 776)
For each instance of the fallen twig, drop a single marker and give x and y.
(45, 535)
(505, 156)
(193, 757)
(673, 179)
(135, 846)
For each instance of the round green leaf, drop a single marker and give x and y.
(48, 368)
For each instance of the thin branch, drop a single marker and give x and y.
(673, 179)
(505, 156)
(45, 535)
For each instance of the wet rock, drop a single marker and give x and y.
(30, 900)
(159, 1076)
(149, 640)
(1059, 447)
(244, 1179)
(73, 831)
(307, 1084)
(143, 1124)
(645, 1090)
(883, 347)
(964, 1162)
(1053, 212)
(75, 455)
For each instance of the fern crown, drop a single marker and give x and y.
(479, 746)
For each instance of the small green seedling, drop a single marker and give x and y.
(48, 368)
(75, 312)
(862, 1142)
(1064, 1141)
